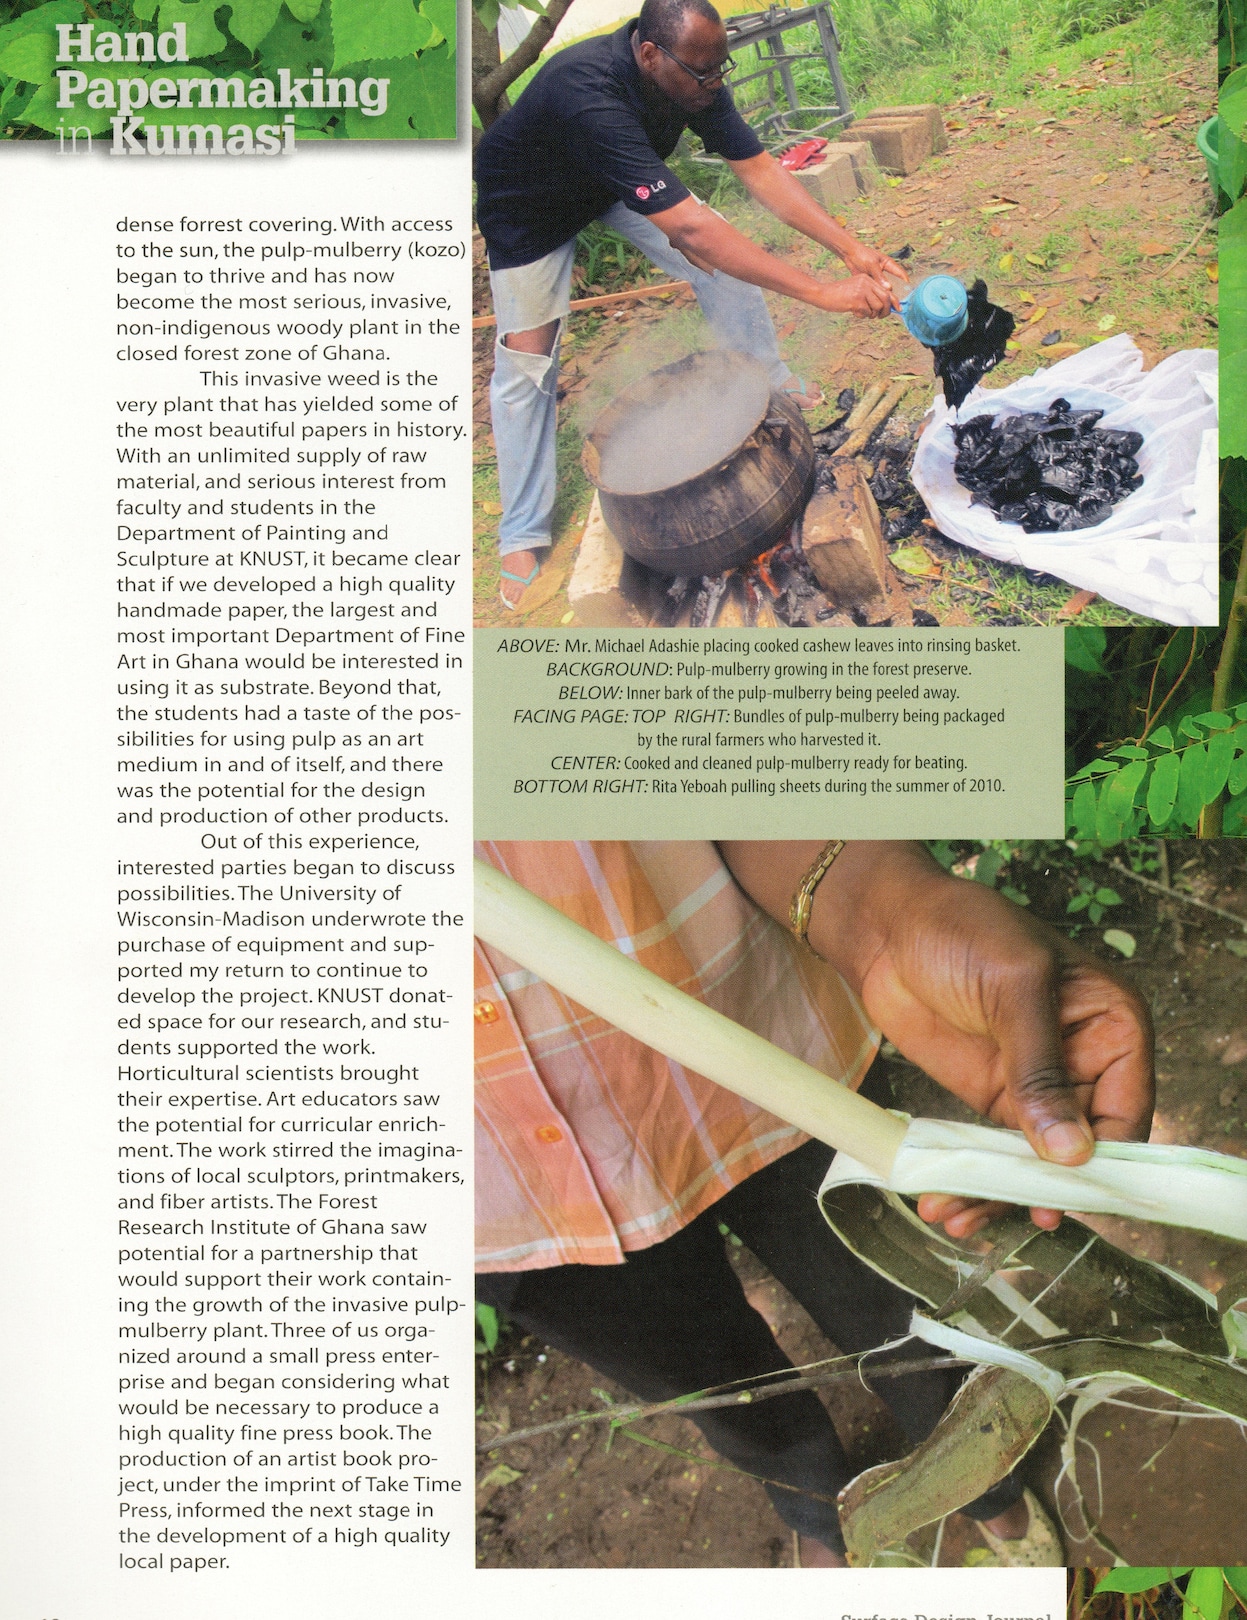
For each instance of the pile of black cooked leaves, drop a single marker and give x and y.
(1047, 471)
(962, 364)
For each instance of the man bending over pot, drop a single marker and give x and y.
(587, 140)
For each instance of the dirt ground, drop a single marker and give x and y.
(1168, 1492)
(1110, 228)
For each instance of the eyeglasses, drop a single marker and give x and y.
(716, 76)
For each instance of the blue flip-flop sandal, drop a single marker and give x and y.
(520, 579)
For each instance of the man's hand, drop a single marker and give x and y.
(857, 295)
(1004, 1012)
(867, 261)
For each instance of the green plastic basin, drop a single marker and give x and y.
(1206, 140)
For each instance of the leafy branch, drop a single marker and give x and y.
(1166, 784)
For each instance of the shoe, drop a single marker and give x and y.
(520, 579)
(1039, 1548)
(806, 399)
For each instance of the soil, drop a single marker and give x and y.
(1168, 1491)
(1105, 218)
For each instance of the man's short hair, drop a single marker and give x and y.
(662, 21)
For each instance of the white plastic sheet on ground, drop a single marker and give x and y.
(1157, 553)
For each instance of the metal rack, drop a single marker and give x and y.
(776, 113)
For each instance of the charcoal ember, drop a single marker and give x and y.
(962, 364)
(926, 620)
(845, 400)
(1050, 471)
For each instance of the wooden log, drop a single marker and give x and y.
(633, 293)
(864, 406)
(875, 418)
(842, 537)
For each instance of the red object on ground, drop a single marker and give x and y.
(804, 155)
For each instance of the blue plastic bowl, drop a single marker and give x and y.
(935, 312)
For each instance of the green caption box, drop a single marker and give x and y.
(786, 734)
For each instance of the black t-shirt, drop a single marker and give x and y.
(588, 132)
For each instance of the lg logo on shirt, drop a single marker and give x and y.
(643, 192)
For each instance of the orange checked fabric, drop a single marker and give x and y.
(589, 1144)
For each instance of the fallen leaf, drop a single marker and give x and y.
(542, 589)
(500, 1474)
(938, 237)
(1121, 941)
(996, 230)
(787, 329)
(1168, 119)
(1145, 170)
(1125, 161)
(1106, 323)
(1062, 351)
(1037, 314)
(1088, 298)
(904, 210)
(915, 560)
(494, 508)
(1076, 603)
(1035, 259)
(1236, 1048)
(1098, 179)
(892, 180)
(997, 208)
(1006, 261)
(1153, 250)
(1212, 272)
(1026, 298)
(569, 618)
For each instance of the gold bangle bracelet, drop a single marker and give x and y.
(803, 900)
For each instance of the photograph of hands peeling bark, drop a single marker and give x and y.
(823, 316)
(754, 1123)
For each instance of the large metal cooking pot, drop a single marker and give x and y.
(700, 465)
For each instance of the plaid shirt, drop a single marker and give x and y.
(588, 1143)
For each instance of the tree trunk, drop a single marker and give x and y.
(486, 60)
(491, 77)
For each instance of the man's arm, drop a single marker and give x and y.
(1000, 1009)
(783, 195)
(708, 239)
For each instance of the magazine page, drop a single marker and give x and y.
(691, 539)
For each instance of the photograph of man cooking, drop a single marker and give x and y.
(832, 315)
(588, 140)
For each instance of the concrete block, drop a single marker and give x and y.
(928, 110)
(865, 168)
(901, 145)
(833, 181)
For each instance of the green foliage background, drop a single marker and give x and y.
(409, 42)
(1140, 703)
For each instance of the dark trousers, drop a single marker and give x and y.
(674, 1319)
